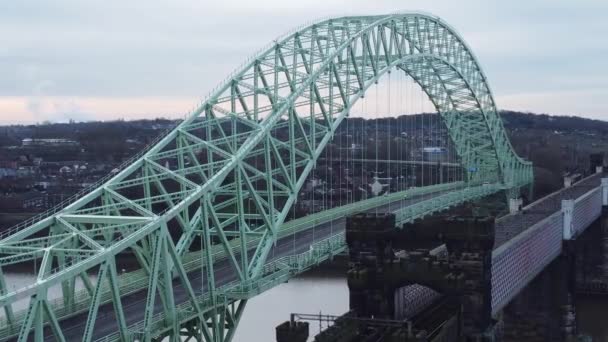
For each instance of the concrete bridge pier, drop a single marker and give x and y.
(592, 253)
(444, 262)
(470, 241)
(371, 256)
(563, 288)
(461, 271)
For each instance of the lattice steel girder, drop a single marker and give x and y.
(305, 84)
(329, 215)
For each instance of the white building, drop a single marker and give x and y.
(48, 142)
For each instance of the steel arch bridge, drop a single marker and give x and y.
(227, 176)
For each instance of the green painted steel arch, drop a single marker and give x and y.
(232, 170)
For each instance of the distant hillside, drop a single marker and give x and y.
(521, 120)
(555, 144)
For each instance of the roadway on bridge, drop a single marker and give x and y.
(297, 243)
(511, 225)
(134, 303)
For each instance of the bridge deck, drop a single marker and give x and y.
(134, 303)
(509, 229)
(528, 241)
(511, 225)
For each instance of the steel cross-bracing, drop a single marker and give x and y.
(227, 176)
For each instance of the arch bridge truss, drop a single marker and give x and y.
(226, 178)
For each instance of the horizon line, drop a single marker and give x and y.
(179, 117)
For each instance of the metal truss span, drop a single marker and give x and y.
(228, 175)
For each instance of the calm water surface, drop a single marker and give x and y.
(316, 292)
(328, 293)
(592, 315)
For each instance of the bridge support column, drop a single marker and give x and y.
(463, 273)
(370, 249)
(524, 318)
(470, 242)
(564, 282)
(592, 268)
(568, 180)
(515, 205)
(567, 212)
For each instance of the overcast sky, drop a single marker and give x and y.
(86, 60)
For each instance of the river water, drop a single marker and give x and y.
(311, 293)
(591, 314)
(327, 292)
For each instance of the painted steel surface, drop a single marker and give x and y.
(227, 177)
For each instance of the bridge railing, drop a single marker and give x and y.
(274, 272)
(443, 202)
(516, 263)
(282, 268)
(587, 209)
(134, 281)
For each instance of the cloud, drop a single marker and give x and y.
(26, 110)
(568, 102)
(113, 50)
(42, 108)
